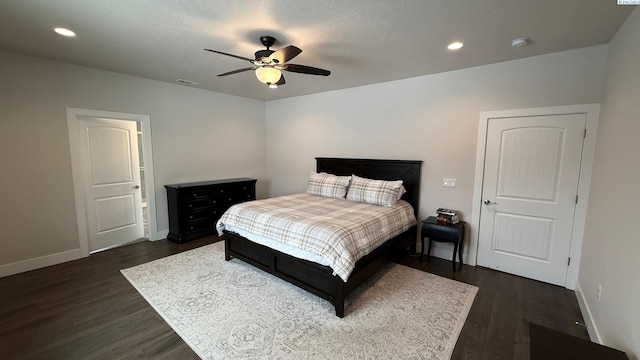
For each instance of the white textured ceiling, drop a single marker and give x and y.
(360, 41)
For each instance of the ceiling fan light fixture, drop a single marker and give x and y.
(268, 64)
(268, 75)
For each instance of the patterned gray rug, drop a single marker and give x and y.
(230, 310)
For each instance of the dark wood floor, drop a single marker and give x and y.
(85, 309)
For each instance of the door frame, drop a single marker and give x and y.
(592, 112)
(77, 168)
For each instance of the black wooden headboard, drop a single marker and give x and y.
(406, 170)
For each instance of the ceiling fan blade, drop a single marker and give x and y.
(303, 69)
(236, 71)
(235, 56)
(285, 54)
(281, 81)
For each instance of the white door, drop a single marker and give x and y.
(112, 180)
(529, 192)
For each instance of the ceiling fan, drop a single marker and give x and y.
(269, 63)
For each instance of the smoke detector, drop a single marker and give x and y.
(187, 82)
(520, 42)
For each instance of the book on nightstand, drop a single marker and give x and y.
(447, 216)
(446, 211)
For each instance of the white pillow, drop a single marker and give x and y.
(328, 185)
(401, 192)
(376, 192)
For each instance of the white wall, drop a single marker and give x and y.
(431, 118)
(611, 243)
(197, 135)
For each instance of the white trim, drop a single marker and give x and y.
(442, 251)
(39, 262)
(73, 127)
(73, 117)
(162, 234)
(584, 183)
(594, 335)
(592, 112)
(147, 153)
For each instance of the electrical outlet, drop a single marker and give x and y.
(449, 182)
(599, 294)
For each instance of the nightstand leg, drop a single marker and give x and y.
(429, 250)
(455, 250)
(421, 248)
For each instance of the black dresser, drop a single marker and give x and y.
(194, 208)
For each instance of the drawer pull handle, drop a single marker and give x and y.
(489, 202)
(190, 205)
(192, 228)
(190, 216)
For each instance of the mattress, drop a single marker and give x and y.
(333, 232)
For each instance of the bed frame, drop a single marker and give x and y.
(318, 279)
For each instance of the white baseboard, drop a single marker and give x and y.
(594, 335)
(39, 262)
(441, 251)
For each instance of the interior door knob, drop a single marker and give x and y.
(489, 202)
(136, 187)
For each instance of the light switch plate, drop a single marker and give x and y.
(449, 182)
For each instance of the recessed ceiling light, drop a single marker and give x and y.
(455, 45)
(64, 32)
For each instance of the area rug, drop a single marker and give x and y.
(231, 310)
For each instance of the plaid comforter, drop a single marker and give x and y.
(338, 230)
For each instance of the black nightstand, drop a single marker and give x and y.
(441, 232)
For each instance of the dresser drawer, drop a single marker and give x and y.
(222, 190)
(212, 213)
(245, 193)
(196, 215)
(231, 189)
(246, 188)
(216, 212)
(439, 232)
(235, 197)
(207, 226)
(240, 197)
(218, 200)
(196, 204)
(194, 193)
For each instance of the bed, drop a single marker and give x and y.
(321, 279)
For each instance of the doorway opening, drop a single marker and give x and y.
(111, 218)
(145, 207)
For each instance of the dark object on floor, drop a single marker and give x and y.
(549, 344)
